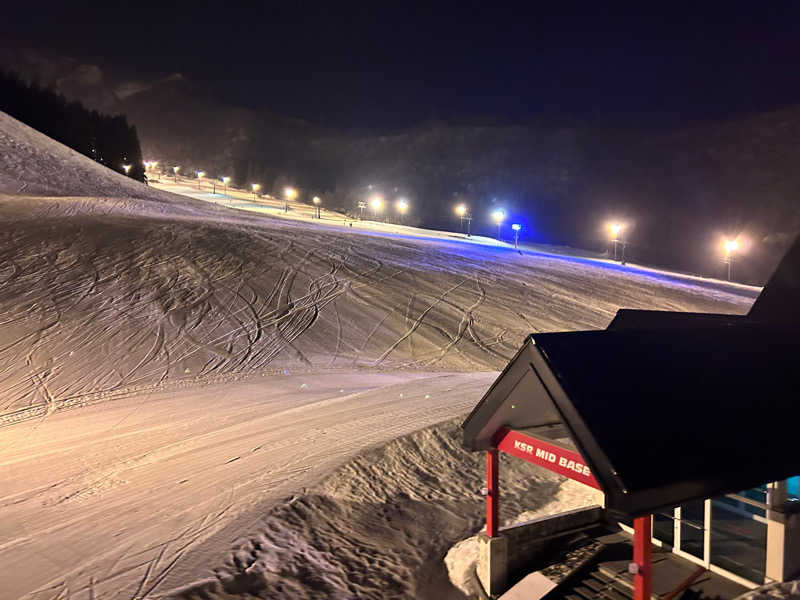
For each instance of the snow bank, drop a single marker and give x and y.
(379, 527)
(788, 590)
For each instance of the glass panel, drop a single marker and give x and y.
(692, 519)
(792, 485)
(738, 541)
(758, 493)
(664, 528)
(742, 507)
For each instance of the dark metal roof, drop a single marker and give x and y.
(661, 319)
(780, 298)
(661, 417)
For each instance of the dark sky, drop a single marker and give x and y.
(385, 68)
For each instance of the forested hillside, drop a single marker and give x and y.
(108, 139)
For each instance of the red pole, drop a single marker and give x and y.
(492, 492)
(643, 577)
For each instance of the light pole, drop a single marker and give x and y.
(376, 204)
(730, 246)
(175, 170)
(127, 168)
(516, 227)
(617, 231)
(498, 216)
(256, 187)
(289, 193)
(462, 210)
(361, 206)
(402, 207)
(200, 175)
(317, 201)
(225, 181)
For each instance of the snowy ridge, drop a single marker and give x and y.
(32, 164)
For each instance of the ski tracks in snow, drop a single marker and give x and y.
(98, 305)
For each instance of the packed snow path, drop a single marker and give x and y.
(124, 500)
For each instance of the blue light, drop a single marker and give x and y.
(516, 227)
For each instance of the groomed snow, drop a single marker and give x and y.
(170, 369)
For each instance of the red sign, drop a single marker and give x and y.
(559, 460)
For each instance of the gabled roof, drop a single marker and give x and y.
(660, 416)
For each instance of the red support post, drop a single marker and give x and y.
(492, 492)
(643, 576)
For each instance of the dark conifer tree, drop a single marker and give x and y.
(109, 140)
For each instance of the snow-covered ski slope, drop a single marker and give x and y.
(99, 304)
(104, 303)
(217, 361)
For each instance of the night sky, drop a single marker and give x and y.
(389, 68)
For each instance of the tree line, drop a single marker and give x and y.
(107, 139)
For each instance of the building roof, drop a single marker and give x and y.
(661, 417)
(780, 298)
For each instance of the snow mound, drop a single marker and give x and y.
(379, 527)
(787, 590)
